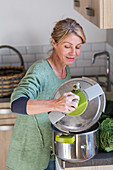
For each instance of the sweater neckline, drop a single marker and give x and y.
(54, 72)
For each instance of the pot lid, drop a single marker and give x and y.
(92, 104)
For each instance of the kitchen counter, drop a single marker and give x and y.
(101, 159)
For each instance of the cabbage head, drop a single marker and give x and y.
(106, 135)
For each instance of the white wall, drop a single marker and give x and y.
(30, 22)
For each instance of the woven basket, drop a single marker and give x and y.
(10, 76)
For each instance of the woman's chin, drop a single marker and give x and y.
(70, 62)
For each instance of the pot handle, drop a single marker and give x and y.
(65, 139)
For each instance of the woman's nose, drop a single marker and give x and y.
(73, 51)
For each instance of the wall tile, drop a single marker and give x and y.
(22, 50)
(99, 62)
(77, 71)
(10, 59)
(86, 47)
(80, 57)
(84, 63)
(3, 65)
(111, 59)
(15, 64)
(109, 49)
(98, 46)
(5, 51)
(91, 70)
(46, 48)
(88, 55)
(29, 57)
(28, 65)
(73, 65)
(34, 49)
(103, 70)
(41, 56)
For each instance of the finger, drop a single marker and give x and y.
(73, 104)
(76, 97)
(68, 94)
(72, 97)
(69, 109)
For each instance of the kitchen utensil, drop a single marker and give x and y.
(77, 147)
(96, 102)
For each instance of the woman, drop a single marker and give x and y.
(32, 136)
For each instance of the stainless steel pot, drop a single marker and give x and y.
(76, 138)
(77, 147)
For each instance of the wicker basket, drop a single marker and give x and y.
(10, 76)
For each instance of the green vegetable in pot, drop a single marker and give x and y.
(108, 111)
(106, 135)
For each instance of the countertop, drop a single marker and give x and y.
(102, 158)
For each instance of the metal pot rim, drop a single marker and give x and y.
(78, 124)
(88, 131)
(92, 129)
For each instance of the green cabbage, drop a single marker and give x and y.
(106, 135)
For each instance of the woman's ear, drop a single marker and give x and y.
(53, 42)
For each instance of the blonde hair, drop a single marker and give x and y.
(65, 27)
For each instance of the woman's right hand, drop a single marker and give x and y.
(65, 102)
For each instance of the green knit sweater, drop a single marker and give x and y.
(32, 135)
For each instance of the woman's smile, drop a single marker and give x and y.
(71, 58)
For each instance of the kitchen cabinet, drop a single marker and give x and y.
(7, 120)
(98, 12)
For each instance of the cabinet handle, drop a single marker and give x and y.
(77, 3)
(89, 11)
(6, 127)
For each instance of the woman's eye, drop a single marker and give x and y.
(78, 47)
(67, 46)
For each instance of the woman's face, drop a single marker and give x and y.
(68, 50)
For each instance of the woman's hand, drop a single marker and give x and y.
(65, 102)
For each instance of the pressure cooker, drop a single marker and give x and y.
(76, 134)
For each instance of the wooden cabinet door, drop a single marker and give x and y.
(108, 13)
(94, 12)
(6, 128)
(98, 18)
